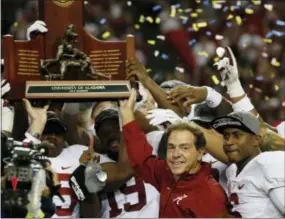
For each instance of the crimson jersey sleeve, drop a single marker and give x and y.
(150, 167)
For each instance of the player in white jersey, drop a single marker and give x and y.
(256, 183)
(48, 127)
(125, 194)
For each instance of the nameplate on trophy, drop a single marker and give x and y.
(77, 89)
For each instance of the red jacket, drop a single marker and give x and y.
(196, 195)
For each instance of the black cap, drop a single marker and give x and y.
(106, 114)
(203, 115)
(54, 124)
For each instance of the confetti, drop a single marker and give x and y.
(177, 5)
(209, 33)
(129, 3)
(229, 24)
(275, 63)
(185, 21)
(192, 42)
(258, 90)
(148, 70)
(198, 1)
(207, 2)
(151, 42)
(249, 11)
(106, 35)
(103, 21)
(137, 26)
(181, 70)
(268, 7)
(230, 16)
(264, 54)
(217, 6)
(149, 19)
(156, 7)
(199, 10)
(216, 59)
(269, 34)
(161, 37)
(164, 56)
(219, 37)
(213, 21)
(234, 7)
(195, 27)
(173, 11)
(266, 98)
(280, 23)
(187, 10)
(276, 87)
(180, 10)
(238, 20)
(259, 78)
(15, 24)
(267, 40)
(156, 53)
(256, 2)
(205, 54)
(86, 2)
(194, 14)
(202, 24)
(141, 20)
(215, 79)
(277, 33)
(157, 20)
(250, 86)
(225, 9)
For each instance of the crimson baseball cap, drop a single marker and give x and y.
(241, 120)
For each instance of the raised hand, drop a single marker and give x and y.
(189, 94)
(160, 116)
(227, 65)
(127, 108)
(36, 113)
(39, 26)
(137, 69)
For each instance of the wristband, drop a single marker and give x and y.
(213, 98)
(243, 105)
(235, 89)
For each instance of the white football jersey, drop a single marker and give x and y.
(136, 199)
(64, 165)
(249, 190)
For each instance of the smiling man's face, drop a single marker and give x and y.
(182, 155)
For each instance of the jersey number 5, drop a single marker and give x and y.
(128, 207)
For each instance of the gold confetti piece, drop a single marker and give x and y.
(267, 40)
(250, 86)
(215, 79)
(106, 35)
(16, 24)
(258, 90)
(219, 37)
(266, 98)
(216, 59)
(256, 2)
(187, 10)
(203, 54)
(275, 63)
(276, 87)
(272, 75)
(180, 10)
(249, 11)
(195, 27)
(183, 17)
(198, 1)
(86, 2)
(137, 26)
(148, 70)
(141, 20)
(151, 42)
(173, 11)
(157, 20)
(268, 7)
(238, 20)
(149, 19)
(230, 16)
(216, 5)
(194, 14)
(202, 24)
(156, 53)
(129, 3)
(199, 10)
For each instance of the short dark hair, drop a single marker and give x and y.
(200, 140)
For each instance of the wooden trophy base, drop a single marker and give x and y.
(77, 89)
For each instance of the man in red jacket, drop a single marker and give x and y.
(186, 186)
